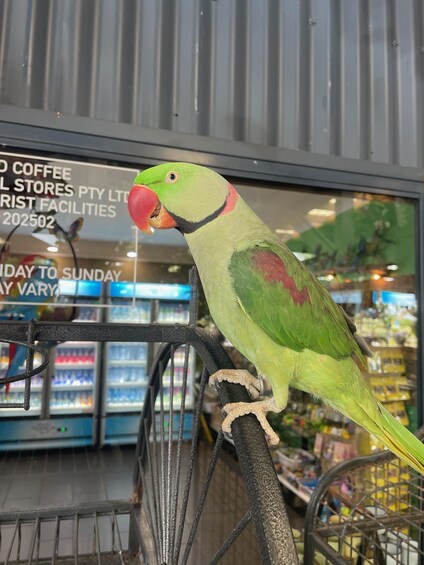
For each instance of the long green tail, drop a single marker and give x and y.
(401, 441)
(374, 418)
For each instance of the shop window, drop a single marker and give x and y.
(70, 251)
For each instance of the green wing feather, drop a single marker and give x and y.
(284, 299)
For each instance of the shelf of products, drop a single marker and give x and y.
(292, 486)
(125, 397)
(125, 384)
(66, 355)
(172, 313)
(125, 407)
(297, 470)
(36, 385)
(33, 411)
(81, 376)
(126, 376)
(17, 396)
(71, 401)
(125, 311)
(127, 363)
(389, 381)
(74, 379)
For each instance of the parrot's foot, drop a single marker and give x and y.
(240, 377)
(259, 409)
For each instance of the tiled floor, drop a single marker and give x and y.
(65, 476)
(72, 476)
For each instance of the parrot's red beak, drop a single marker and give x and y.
(146, 210)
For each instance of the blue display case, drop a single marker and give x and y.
(65, 398)
(126, 364)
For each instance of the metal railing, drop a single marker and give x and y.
(367, 510)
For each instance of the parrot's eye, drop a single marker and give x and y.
(171, 177)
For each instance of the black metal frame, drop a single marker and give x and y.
(91, 138)
(267, 503)
(312, 541)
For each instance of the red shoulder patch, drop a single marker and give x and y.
(274, 271)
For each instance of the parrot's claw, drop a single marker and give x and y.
(259, 409)
(240, 377)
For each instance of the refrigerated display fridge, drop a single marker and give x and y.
(74, 383)
(64, 399)
(126, 364)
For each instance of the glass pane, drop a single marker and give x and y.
(70, 252)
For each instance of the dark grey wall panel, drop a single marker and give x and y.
(351, 82)
(329, 77)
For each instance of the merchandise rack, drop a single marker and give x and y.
(151, 526)
(382, 521)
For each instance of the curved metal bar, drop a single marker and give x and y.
(328, 478)
(268, 509)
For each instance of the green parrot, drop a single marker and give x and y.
(266, 303)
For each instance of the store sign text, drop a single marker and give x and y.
(49, 189)
(16, 275)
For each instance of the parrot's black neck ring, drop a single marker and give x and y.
(185, 226)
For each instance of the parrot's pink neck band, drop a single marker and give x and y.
(231, 200)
